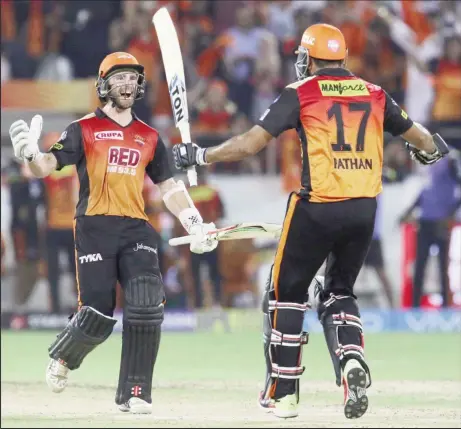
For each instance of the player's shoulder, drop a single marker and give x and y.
(144, 127)
(299, 83)
(85, 118)
(371, 87)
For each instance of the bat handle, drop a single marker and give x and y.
(184, 130)
(192, 176)
(179, 241)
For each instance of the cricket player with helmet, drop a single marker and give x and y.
(340, 120)
(113, 150)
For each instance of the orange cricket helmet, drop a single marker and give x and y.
(115, 62)
(320, 41)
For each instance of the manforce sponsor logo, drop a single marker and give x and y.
(123, 160)
(108, 135)
(343, 88)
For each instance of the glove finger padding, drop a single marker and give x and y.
(18, 127)
(36, 127)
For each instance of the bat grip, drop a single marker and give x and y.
(178, 241)
(184, 130)
(192, 176)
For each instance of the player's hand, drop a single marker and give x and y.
(441, 150)
(25, 139)
(188, 155)
(422, 156)
(203, 243)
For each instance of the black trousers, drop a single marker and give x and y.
(340, 232)
(58, 240)
(211, 260)
(111, 248)
(430, 233)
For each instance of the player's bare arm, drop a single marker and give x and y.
(420, 138)
(239, 147)
(234, 149)
(283, 114)
(175, 196)
(43, 165)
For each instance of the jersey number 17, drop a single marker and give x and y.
(336, 112)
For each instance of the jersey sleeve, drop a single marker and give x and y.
(396, 120)
(282, 114)
(159, 168)
(68, 150)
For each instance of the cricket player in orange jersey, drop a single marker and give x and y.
(340, 120)
(113, 150)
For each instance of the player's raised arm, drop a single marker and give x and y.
(283, 114)
(66, 151)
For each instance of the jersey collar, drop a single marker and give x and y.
(101, 114)
(333, 71)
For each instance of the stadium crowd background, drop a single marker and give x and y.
(238, 55)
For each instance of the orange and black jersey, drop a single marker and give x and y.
(340, 120)
(111, 163)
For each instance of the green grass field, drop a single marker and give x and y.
(213, 379)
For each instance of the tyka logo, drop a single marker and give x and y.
(109, 135)
(90, 258)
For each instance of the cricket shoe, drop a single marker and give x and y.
(56, 375)
(285, 408)
(355, 391)
(136, 406)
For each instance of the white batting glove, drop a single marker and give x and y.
(25, 139)
(202, 243)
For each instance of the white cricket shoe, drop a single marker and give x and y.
(355, 391)
(136, 406)
(56, 376)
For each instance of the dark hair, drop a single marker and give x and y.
(321, 64)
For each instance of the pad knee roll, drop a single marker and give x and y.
(143, 315)
(87, 329)
(342, 326)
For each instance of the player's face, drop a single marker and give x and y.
(123, 87)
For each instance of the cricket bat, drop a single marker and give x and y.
(236, 232)
(174, 71)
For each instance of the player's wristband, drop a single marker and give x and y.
(200, 156)
(190, 217)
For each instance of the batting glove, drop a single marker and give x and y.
(422, 156)
(203, 242)
(188, 155)
(25, 139)
(441, 149)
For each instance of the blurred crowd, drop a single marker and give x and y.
(238, 55)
